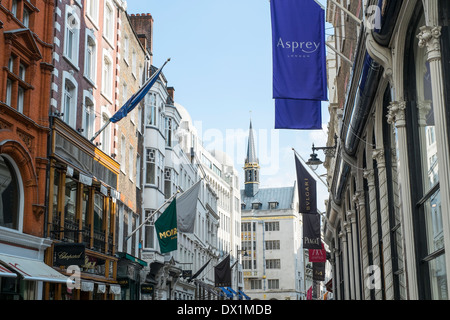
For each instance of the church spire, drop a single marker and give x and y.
(251, 167)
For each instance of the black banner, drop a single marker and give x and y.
(198, 272)
(222, 273)
(306, 189)
(311, 231)
(319, 271)
(69, 254)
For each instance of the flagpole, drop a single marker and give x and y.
(311, 169)
(150, 216)
(109, 120)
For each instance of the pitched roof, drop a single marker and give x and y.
(284, 196)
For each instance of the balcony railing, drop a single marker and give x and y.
(71, 231)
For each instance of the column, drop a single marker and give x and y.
(371, 214)
(358, 198)
(350, 248)
(396, 115)
(378, 155)
(351, 215)
(343, 237)
(429, 37)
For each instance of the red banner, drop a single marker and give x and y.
(309, 294)
(318, 255)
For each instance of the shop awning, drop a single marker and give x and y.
(246, 296)
(232, 291)
(32, 270)
(114, 289)
(228, 293)
(7, 273)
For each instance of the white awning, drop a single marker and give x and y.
(33, 270)
(6, 273)
(87, 286)
(114, 289)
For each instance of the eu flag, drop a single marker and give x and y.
(137, 97)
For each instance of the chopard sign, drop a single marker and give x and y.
(69, 254)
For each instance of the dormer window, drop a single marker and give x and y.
(273, 204)
(243, 206)
(256, 205)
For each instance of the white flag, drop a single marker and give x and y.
(187, 208)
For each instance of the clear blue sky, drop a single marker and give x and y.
(221, 69)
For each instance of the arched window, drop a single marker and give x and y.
(10, 195)
(424, 169)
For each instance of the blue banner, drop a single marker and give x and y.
(298, 49)
(137, 97)
(298, 114)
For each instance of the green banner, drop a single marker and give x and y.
(166, 228)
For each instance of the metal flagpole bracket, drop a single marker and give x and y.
(320, 178)
(150, 216)
(351, 15)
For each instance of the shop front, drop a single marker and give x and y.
(23, 272)
(81, 211)
(129, 276)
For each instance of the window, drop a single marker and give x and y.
(122, 154)
(424, 175)
(138, 170)
(20, 99)
(89, 117)
(10, 194)
(106, 134)
(72, 34)
(272, 226)
(273, 264)
(131, 162)
(107, 81)
(152, 111)
(168, 131)
(108, 23)
(126, 45)
(26, 17)
(150, 166)
(8, 92)
(16, 83)
(14, 7)
(168, 182)
(124, 92)
(273, 283)
(69, 103)
(23, 11)
(90, 57)
(92, 10)
(273, 245)
(149, 240)
(273, 204)
(246, 226)
(255, 284)
(256, 205)
(133, 63)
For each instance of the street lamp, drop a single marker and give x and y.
(314, 162)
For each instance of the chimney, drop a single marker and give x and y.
(171, 91)
(143, 26)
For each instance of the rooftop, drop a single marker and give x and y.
(283, 195)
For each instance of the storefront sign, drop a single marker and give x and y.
(69, 254)
(147, 288)
(187, 274)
